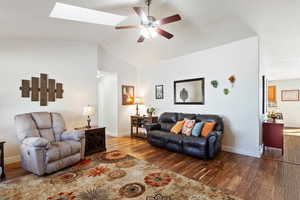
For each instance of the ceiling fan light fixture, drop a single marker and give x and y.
(148, 32)
(149, 26)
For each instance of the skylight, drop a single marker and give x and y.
(69, 12)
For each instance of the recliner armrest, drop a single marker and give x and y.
(36, 142)
(214, 143)
(76, 135)
(214, 134)
(153, 126)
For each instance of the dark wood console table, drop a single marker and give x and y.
(94, 139)
(139, 121)
(273, 135)
(2, 160)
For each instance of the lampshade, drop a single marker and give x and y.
(89, 111)
(138, 100)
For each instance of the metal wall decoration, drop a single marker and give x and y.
(226, 91)
(42, 89)
(215, 83)
(232, 80)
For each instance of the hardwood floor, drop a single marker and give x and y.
(250, 178)
(291, 148)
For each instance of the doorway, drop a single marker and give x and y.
(283, 100)
(108, 102)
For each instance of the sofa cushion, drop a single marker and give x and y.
(59, 150)
(42, 120)
(158, 134)
(26, 126)
(58, 125)
(194, 141)
(166, 126)
(183, 116)
(47, 134)
(156, 138)
(168, 117)
(174, 138)
(211, 118)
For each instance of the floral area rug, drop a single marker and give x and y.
(109, 176)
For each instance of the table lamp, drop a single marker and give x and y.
(137, 101)
(89, 111)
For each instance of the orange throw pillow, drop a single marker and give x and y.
(177, 127)
(207, 128)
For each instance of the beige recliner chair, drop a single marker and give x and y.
(46, 146)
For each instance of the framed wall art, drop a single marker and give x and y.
(189, 91)
(159, 92)
(290, 95)
(42, 89)
(127, 95)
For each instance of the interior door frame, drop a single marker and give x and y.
(264, 94)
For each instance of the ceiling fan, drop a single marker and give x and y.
(150, 27)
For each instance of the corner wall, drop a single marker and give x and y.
(126, 75)
(240, 109)
(72, 63)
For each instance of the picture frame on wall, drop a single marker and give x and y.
(290, 95)
(127, 95)
(190, 91)
(159, 92)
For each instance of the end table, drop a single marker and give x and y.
(94, 139)
(140, 121)
(2, 160)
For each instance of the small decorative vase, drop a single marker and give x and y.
(274, 119)
(149, 114)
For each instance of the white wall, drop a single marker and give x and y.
(108, 103)
(240, 109)
(72, 63)
(127, 75)
(290, 109)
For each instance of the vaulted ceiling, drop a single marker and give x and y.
(205, 24)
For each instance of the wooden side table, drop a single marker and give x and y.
(273, 135)
(94, 139)
(2, 160)
(139, 121)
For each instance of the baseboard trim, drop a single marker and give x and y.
(241, 151)
(123, 134)
(12, 159)
(111, 134)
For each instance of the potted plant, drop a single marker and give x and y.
(150, 111)
(273, 116)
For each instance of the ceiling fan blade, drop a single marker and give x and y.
(139, 11)
(170, 19)
(127, 27)
(141, 39)
(164, 33)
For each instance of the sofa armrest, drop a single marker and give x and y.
(76, 135)
(153, 126)
(37, 142)
(214, 143)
